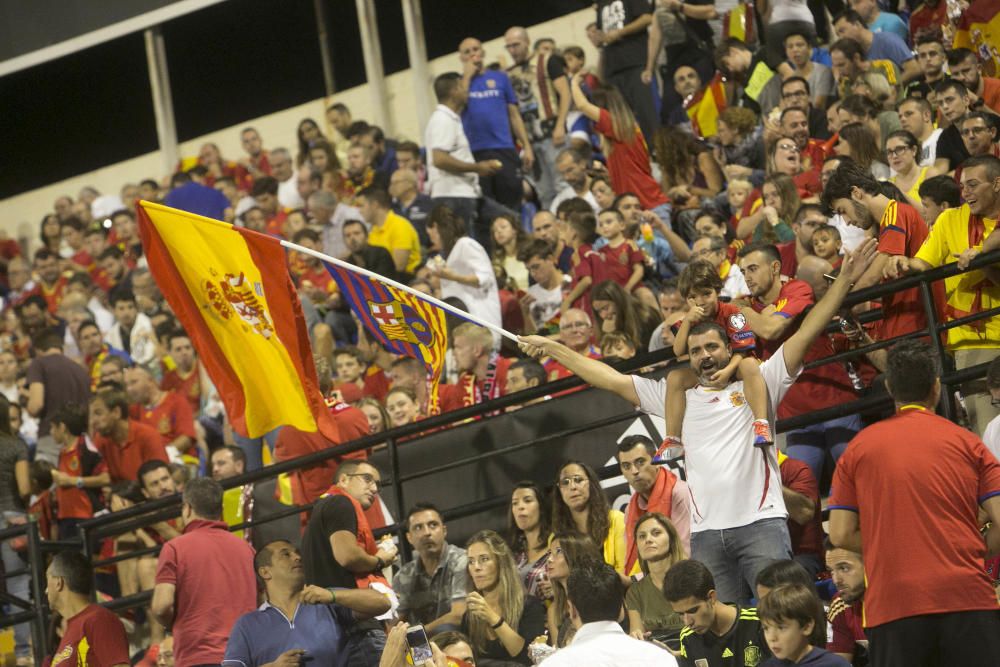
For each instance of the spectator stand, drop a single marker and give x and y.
(416, 438)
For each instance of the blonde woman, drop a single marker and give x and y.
(499, 619)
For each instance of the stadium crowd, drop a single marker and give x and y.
(714, 197)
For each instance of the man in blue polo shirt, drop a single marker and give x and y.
(297, 622)
(492, 120)
(877, 45)
(188, 193)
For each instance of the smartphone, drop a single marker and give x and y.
(420, 648)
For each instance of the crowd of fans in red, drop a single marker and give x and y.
(570, 201)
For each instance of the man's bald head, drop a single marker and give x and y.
(517, 44)
(546, 227)
(811, 270)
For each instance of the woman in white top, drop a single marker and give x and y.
(463, 266)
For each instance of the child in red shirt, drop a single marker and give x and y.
(589, 267)
(700, 285)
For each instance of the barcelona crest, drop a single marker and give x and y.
(398, 321)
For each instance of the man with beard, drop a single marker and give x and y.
(979, 134)
(957, 233)
(964, 66)
(738, 523)
(572, 167)
(931, 58)
(431, 587)
(794, 124)
(796, 94)
(855, 195)
(546, 227)
(340, 551)
(847, 570)
(778, 301)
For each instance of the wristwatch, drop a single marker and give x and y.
(379, 564)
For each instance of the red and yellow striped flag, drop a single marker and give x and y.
(232, 293)
(705, 106)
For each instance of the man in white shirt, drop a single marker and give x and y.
(452, 171)
(543, 300)
(916, 117)
(738, 520)
(596, 594)
(288, 181)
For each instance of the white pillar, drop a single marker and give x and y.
(371, 47)
(163, 104)
(416, 48)
(324, 47)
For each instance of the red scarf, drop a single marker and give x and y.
(366, 539)
(660, 500)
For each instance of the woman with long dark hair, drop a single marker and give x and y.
(528, 526)
(580, 505)
(568, 550)
(902, 150)
(15, 488)
(858, 142)
(617, 310)
(463, 266)
(307, 131)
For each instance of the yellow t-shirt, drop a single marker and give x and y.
(614, 544)
(949, 237)
(396, 233)
(914, 192)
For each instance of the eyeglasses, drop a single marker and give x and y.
(794, 93)
(367, 478)
(575, 480)
(972, 131)
(897, 151)
(789, 147)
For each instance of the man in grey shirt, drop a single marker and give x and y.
(331, 215)
(431, 587)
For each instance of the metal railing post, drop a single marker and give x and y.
(39, 624)
(397, 491)
(927, 297)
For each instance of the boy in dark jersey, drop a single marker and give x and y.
(715, 634)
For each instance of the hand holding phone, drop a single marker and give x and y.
(420, 648)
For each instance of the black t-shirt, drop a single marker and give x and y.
(818, 128)
(628, 52)
(951, 146)
(743, 645)
(331, 514)
(65, 381)
(531, 624)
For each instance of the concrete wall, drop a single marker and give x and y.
(20, 215)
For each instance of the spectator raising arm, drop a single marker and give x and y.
(819, 316)
(593, 372)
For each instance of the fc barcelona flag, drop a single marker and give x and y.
(402, 322)
(231, 291)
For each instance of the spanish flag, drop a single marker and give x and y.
(704, 107)
(979, 31)
(404, 323)
(230, 289)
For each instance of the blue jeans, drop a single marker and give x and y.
(736, 555)
(254, 448)
(364, 648)
(811, 443)
(18, 586)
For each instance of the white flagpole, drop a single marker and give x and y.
(409, 290)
